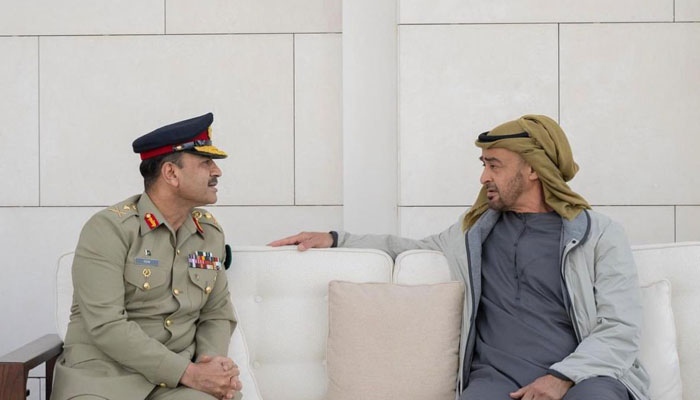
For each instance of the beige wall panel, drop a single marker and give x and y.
(687, 10)
(643, 225)
(35, 238)
(688, 224)
(419, 222)
(251, 16)
(318, 122)
(630, 96)
(80, 17)
(262, 225)
(19, 113)
(457, 82)
(504, 11)
(114, 89)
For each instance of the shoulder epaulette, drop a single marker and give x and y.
(205, 217)
(123, 210)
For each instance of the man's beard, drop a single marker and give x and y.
(506, 199)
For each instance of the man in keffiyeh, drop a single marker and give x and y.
(553, 309)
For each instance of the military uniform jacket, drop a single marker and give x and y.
(147, 301)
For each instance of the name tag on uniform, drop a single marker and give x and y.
(146, 261)
(204, 260)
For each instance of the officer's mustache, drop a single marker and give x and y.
(213, 181)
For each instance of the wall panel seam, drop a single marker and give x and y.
(294, 119)
(559, 73)
(542, 23)
(38, 119)
(179, 34)
(592, 205)
(675, 220)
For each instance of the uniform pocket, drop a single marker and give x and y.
(144, 281)
(204, 279)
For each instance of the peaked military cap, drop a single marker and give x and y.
(191, 135)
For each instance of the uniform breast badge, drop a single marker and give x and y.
(204, 260)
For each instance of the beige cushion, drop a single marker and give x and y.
(389, 341)
(658, 353)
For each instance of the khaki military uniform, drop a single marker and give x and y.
(141, 312)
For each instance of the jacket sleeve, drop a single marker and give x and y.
(612, 346)
(98, 280)
(216, 321)
(395, 245)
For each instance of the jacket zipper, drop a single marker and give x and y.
(572, 312)
(472, 318)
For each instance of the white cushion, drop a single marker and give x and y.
(680, 264)
(420, 267)
(658, 351)
(64, 293)
(280, 296)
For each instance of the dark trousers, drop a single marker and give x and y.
(598, 388)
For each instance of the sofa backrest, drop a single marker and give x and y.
(679, 263)
(281, 295)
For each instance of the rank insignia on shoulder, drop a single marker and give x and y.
(204, 260)
(199, 227)
(151, 220)
(117, 211)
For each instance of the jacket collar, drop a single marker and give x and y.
(576, 229)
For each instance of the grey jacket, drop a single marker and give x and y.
(598, 275)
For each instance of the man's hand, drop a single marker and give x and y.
(306, 240)
(546, 387)
(217, 376)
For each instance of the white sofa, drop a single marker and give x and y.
(280, 296)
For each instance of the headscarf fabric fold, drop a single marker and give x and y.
(547, 150)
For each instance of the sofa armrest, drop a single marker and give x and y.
(15, 366)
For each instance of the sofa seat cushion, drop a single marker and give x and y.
(391, 341)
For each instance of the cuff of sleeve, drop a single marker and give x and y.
(334, 235)
(171, 369)
(559, 375)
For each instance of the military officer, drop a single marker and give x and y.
(152, 315)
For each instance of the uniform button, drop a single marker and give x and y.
(163, 385)
(177, 252)
(146, 285)
(208, 289)
(258, 299)
(168, 323)
(176, 291)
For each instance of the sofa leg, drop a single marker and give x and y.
(50, 364)
(14, 380)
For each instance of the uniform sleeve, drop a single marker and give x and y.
(395, 245)
(613, 345)
(98, 280)
(216, 321)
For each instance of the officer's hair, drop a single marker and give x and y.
(150, 168)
